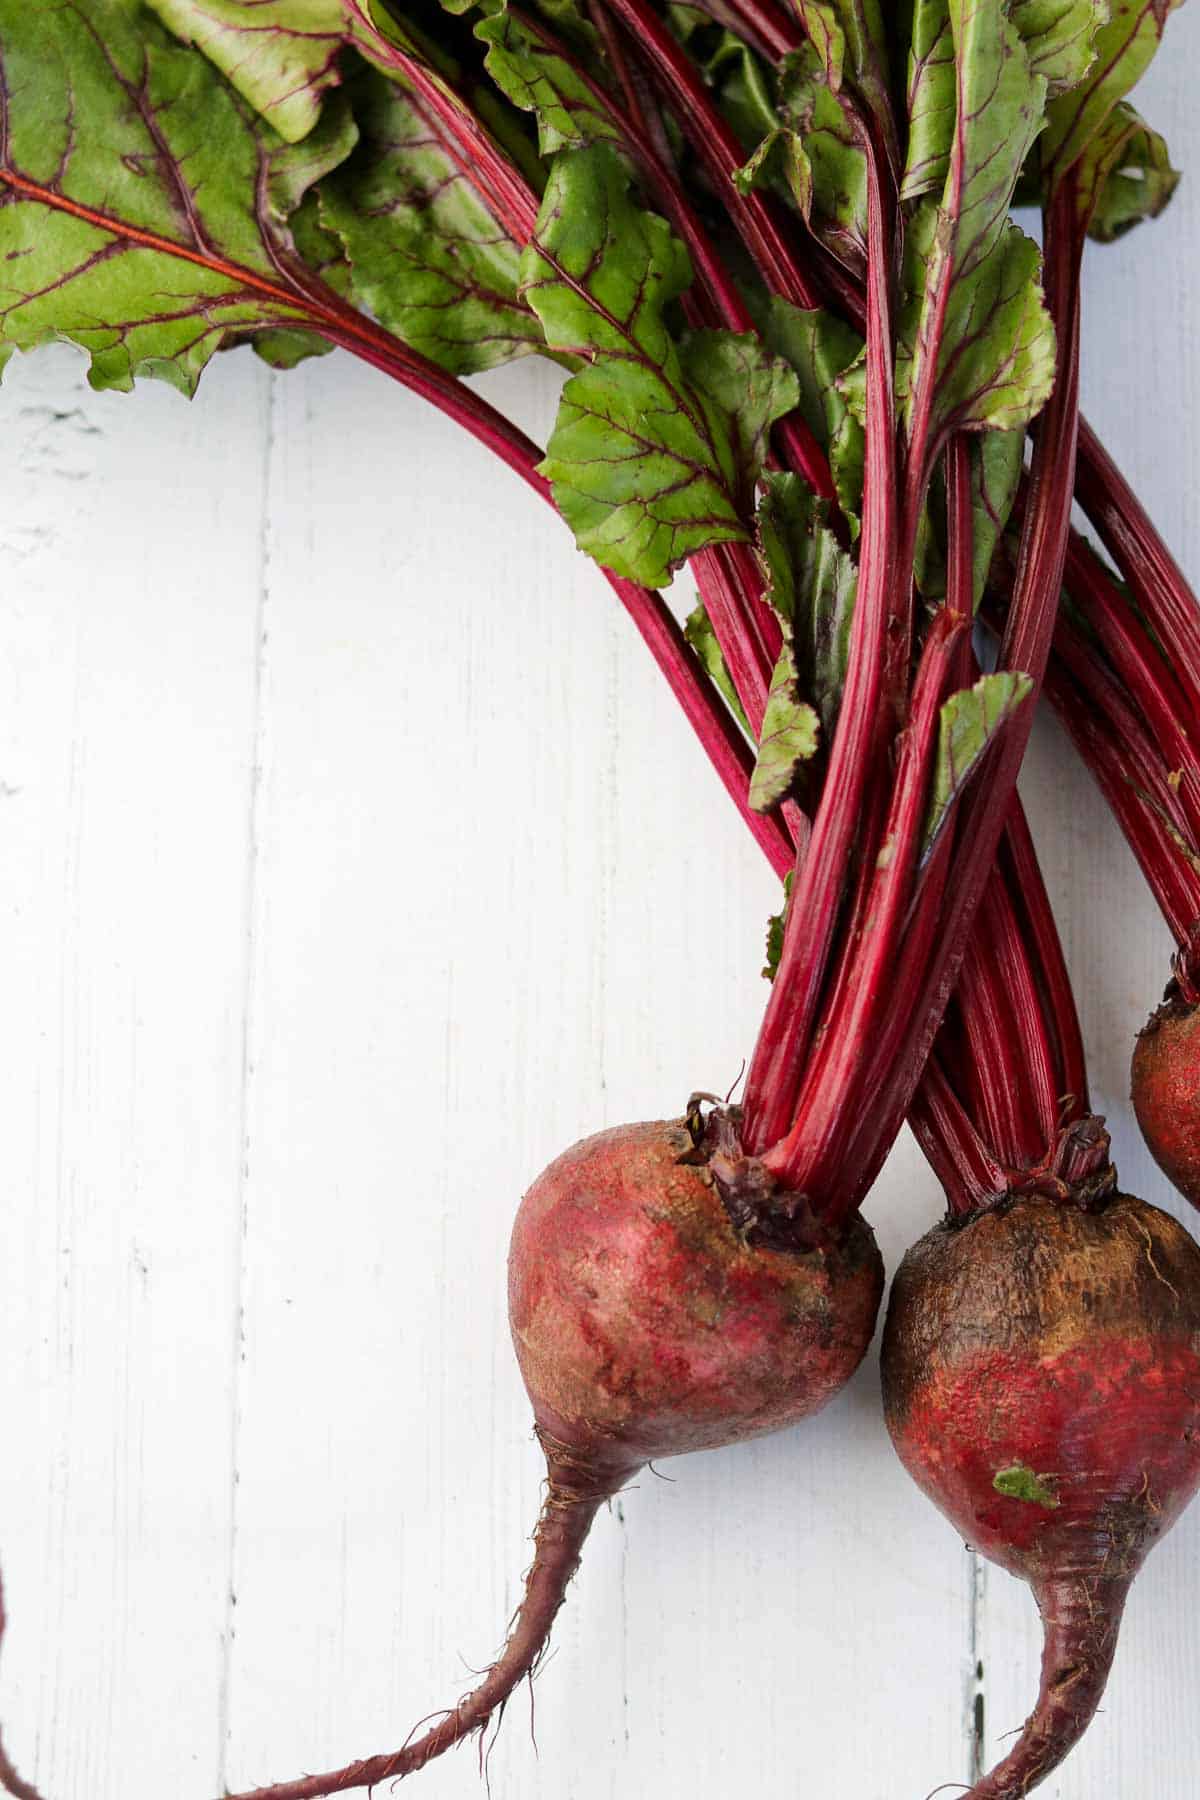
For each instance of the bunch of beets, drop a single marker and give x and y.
(810, 354)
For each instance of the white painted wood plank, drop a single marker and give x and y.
(130, 556)
(504, 904)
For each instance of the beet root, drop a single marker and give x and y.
(1165, 1086)
(647, 1324)
(1041, 1370)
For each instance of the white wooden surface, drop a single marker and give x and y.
(352, 862)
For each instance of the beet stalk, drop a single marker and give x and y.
(1129, 713)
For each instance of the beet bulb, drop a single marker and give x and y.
(654, 1311)
(645, 1325)
(1165, 1086)
(1041, 1378)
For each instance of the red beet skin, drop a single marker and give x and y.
(1041, 1369)
(644, 1325)
(1165, 1084)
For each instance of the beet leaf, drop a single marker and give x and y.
(160, 232)
(1125, 47)
(280, 55)
(977, 347)
(423, 253)
(968, 724)
(659, 442)
(820, 348)
(537, 77)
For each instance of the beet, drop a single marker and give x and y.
(1041, 1374)
(1165, 1086)
(645, 1325)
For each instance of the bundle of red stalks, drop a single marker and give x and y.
(811, 355)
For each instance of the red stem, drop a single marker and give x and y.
(993, 1074)
(769, 32)
(1090, 675)
(759, 221)
(1000, 944)
(834, 1077)
(957, 1154)
(1011, 1036)
(837, 1086)
(1166, 703)
(777, 1067)
(924, 918)
(1140, 554)
(921, 993)
(1028, 891)
(749, 669)
(1125, 770)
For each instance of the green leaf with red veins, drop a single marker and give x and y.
(317, 248)
(996, 364)
(280, 61)
(826, 123)
(747, 388)
(1060, 42)
(658, 444)
(814, 146)
(811, 583)
(977, 345)
(1124, 175)
(143, 214)
(823, 28)
(968, 725)
(820, 348)
(780, 156)
(1061, 37)
(995, 462)
(789, 738)
(931, 100)
(423, 254)
(540, 80)
(1124, 49)
(700, 635)
(281, 55)
(851, 41)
